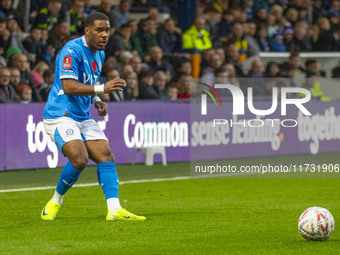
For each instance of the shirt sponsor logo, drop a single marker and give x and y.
(67, 63)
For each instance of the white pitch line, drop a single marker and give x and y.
(128, 182)
(96, 183)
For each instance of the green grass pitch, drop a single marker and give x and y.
(193, 216)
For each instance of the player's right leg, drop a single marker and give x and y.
(66, 134)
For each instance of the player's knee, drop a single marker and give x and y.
(109, 156)
(80, 162)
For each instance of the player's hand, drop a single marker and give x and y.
(114, 85)
(102, 108)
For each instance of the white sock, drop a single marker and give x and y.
(57, 198)
(113, 204)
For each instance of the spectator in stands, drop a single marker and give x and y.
(336, 71)
(272, 27)
(7, 92)
(326, 40)
(131, 91)
(37, 5)
(253, 47)
(67, 5)
(75, 18)
(143, 40)
(146, 88)
(46, 55)
(313, 85)
(256, 70)
(184, 87)
(116, 96)
(294, 62)
(152, 25)
(33, 44)
(184, 67)
(303, 14)
(288, 34)
(153, 14)
(4, 36)
(213, 18)
(292, 16)
(47, 17)
(159, 82)
(277, 44)
(133, 25)
(136, 63)
(119, 41)
(272, 70)
(125, 58)
(158, 63)
(88, 8)
(109, 64)
(236, 11)
(335, 22)
(225, 26)
(221, 52)
(257, 83)
(248, 7)
(196, 37)
(208, 73)
(206, 57)
(232, 58)
(20, 61)
(261, 16)
(6, 9)
(105, 7)
(15, 77)
(335, 8)
(38, 72)
(58, 36)
(221, 75)
(301, 42)
(120, 15)
(172, 93)
(169, 37)
(261, 37)
(318, 12)
(277, 11)
(25, 94)
(232, 75)
(45, 87)
(16, 37)
(312, 65)
(237, 38)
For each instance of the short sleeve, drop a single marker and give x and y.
(69, 60)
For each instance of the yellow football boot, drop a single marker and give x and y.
(50, 211)
(123, 214)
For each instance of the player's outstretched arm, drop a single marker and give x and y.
(72, 87)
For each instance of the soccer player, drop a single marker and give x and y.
(69, 124)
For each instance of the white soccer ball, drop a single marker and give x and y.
(316, 224)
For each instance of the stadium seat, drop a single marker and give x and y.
(149, 154)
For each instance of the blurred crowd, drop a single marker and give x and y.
(154, 57)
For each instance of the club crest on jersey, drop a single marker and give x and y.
(69, 131)
(67, 63)
(94, 66)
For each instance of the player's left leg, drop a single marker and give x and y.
(100, 152)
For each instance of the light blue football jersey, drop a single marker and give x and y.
(74, 61)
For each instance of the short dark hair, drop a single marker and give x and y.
(310, 62)
(124, 26)
(89, 21)
(48, 73)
